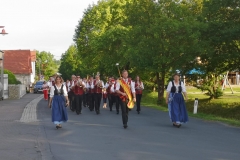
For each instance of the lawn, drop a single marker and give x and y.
(225, 109)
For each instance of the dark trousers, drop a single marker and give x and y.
(78, 103)
(117, 101)
(91, 101)
(110, 102)
(71, 100)
(97, 99)
(85, 101)
(138, 101)
(124, 109)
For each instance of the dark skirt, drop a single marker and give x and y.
(59, 111)
(178, 109)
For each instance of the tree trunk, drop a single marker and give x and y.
(160, 84)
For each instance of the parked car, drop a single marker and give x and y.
(38, 87)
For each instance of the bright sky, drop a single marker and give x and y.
(44, 25)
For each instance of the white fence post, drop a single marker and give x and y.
(195, 106)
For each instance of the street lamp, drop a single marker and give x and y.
(3, 32)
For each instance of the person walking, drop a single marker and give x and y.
(45, 90)
(58, 102)
(177, 108)
(139, 88)
(126, 91)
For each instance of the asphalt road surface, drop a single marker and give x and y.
(149, 136)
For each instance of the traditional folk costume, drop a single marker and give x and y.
(177, 108)
(59, 112)
(98, 85)
(78, 90)
(108, 86)
(91, 102)
(139, 88)
(104, 97)
(85, 96)
(50, 83)
(45, 91)
(126, 102)
(115, 97)
(71, 95)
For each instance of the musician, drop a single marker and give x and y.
(104, 97)
(108, 86)
(124, 97)
(71, 93)
(114, 95)
(139, 88)
(78, 90)
(98, 86)
(85, 96)
(90, 88)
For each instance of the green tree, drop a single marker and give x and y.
(46, 64)
(70, 63)
(164, 36)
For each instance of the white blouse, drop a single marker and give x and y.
(177, 85)
(53, 89)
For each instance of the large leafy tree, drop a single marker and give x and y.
(164, 36)
(46, 64)
(70, 63)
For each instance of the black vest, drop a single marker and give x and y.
(173, 89)
(58, 92)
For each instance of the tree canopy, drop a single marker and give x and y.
(155, 38)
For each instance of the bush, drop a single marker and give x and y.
(11, 77)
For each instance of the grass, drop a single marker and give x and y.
(225, 109)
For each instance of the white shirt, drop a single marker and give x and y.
(177, 85)
(53, 89)
(141, 84)
(69, 84)
(126, 80)
(90, 86)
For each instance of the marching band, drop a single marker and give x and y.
(90, 92)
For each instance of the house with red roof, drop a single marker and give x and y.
(22, 64)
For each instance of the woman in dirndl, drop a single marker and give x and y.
(58, 102)
(175, 100)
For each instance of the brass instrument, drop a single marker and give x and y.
(99, 84)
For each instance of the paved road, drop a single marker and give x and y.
(150, 136)
(18, 140)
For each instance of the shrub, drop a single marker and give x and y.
(11, 77)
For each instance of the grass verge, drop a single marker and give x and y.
(225, 110)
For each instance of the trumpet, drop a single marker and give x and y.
(99, 84)
(80, 83)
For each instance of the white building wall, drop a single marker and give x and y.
(32, 79)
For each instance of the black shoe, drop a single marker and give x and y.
(138, 112)
(117, 112)
(125, 126)
(97, 112)
(110, 109)
(57, 126)
(177, 125)
(129, 109)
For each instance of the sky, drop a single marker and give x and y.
(43, 25)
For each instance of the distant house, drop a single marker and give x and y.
(22, 64)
